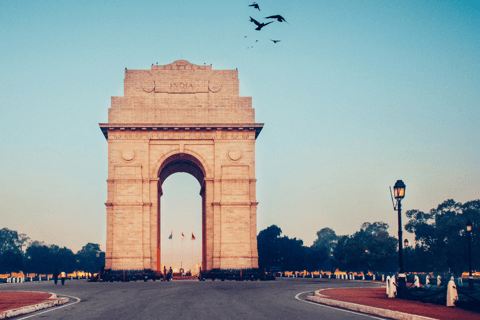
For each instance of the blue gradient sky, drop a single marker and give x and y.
(356, 95)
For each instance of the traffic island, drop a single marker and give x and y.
(375, 301)
(15, 303)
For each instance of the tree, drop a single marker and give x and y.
(38, 258)
(11, 254)
(326, 238)
(268, 248)
(11, 261)
(11, 240)
(90, 258)
(63, 259)
(292, 254)
(370, 249)
(283, 252)
(441, 238)
(322, 248)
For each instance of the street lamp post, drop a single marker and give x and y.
(399, 194)
(470, 277)
(405, 243)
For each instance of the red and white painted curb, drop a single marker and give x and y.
(51, 302)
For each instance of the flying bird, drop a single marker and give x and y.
(275, 41)
(259, 25)
(278, 17)
(254, 5)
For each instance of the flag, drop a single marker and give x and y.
(193, 237)
(183, 235)
(170, 236)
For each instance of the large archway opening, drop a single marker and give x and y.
(181, 206)
(181, 214)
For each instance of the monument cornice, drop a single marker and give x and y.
(105, 127)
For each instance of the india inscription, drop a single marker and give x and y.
(181, 117)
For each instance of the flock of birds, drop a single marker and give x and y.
(261, 25)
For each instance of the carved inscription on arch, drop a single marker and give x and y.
(178, 87)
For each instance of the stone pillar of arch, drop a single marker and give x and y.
(181, 117)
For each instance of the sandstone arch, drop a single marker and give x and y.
(181, 118)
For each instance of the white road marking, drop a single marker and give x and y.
(344, 310)
(53, 309)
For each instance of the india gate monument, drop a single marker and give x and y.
(181, 117)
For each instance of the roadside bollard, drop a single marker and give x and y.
(392, 288)
(416, 283)
(452, 294)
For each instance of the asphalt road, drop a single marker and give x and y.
(279, 299)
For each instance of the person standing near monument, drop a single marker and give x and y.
(63, 275)
(55, 276)
(170, 274)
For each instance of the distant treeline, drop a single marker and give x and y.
(41, 258)
(440, 245)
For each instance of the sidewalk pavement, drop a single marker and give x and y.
(15, 303)
(375, 301)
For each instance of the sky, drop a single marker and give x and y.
(356, 95)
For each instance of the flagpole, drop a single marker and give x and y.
(191, 270)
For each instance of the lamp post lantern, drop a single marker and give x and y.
(399, 194)
(470, 277)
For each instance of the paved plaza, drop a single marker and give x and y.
(280, 299)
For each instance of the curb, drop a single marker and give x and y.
(34, 307)
(365, 309)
